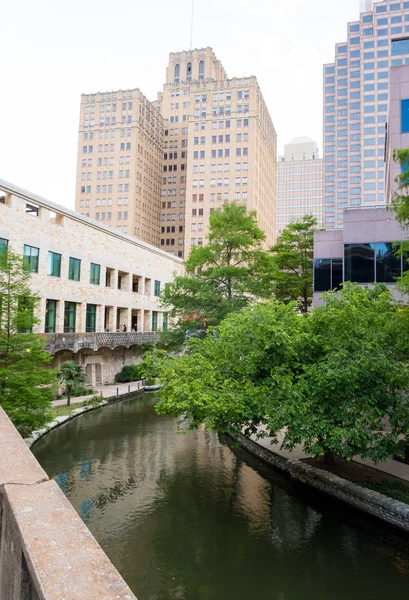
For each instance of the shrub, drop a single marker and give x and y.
(94, 401)
(81, 390)
(129, 373)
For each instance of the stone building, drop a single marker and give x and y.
(299, 183)
(119, 162)
(91, 281)
(156, 170)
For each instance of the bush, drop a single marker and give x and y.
(129, 373)
(81, 390)
(94, 401)
(150, 381)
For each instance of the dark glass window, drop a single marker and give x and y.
(157, 288)
(95, 274)
(3, 246)
(322, 274)
(360, 263)
(165, 321)
(91, 318)
(154, 320)
(50, 316)
(388, 263)
(30, 258)
(54, 264)
(74, 269)
(70, 314)
(327, 274)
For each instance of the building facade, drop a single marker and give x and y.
(397, 137)
(98, 288)
(356, 103)
(364, 251)
(157, 170)
(119, 162)
(220, 146)
(299, 183)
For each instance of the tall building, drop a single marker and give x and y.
(119, 164)
(157, 170)
(299, 182)
(356, 102)
(220, 146)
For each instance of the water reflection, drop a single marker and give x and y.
(185, 517)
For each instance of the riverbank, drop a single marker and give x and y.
(294, 464)
(107, 392)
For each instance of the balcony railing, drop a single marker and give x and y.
(56, 342)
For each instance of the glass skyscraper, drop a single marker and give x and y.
(356, 102)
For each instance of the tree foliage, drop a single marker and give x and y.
(400, 200)
(293, 258)
(71, 374)
(226, 274)
(25, 392)
(334, 380)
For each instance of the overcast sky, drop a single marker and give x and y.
(54, 50)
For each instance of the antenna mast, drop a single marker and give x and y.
(191, 26)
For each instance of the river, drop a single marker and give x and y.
(185, 517)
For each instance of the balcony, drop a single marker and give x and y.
(56, 342)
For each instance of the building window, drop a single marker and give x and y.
(70, 315)
(360, 263)
(201, 69)
(327, 274)
(154, 320)
(25, 318)
(74, 269)
(189, 71)
(50, 316)
(165, 322)
(91, 318)
(54, 264)
(95, 274)
(405, 116)
(388, 266)
(30, 258)
(157, 288)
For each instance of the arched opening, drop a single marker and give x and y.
(189, 71)
(201, 69)
(177, 74)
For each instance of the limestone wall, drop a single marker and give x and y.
(391, 511)
(46, 551)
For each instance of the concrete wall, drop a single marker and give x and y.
(46, 551)
(388, 510)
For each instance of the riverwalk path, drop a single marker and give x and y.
(104, 391)
(392, 467)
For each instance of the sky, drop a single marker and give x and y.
(55, 50)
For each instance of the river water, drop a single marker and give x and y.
(185, 517)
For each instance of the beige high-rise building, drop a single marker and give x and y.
(168, 164)
(220, 146)
(119, 164)
(299, 183)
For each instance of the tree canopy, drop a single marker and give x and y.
(226, 274)
(334, 380)
(293, 257)
(25, 392)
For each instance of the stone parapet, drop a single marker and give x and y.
(46, 551)
(378, 505)
(57, 342)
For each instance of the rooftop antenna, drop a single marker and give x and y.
(191, 26)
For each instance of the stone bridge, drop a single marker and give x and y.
(57, 342)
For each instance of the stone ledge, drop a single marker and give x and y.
(387, 509)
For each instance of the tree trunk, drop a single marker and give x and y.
(68, 398)
(329, 458)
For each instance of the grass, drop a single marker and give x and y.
(62, 411)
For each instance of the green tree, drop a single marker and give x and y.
(225, 275)
(334, 380)
(354, 380)
(293, 257)
(25, 392)
(71, 374)
(400, 205)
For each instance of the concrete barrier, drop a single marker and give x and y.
(373, 503)
(46, 551)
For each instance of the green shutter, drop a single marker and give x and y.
(70, 314)
(91, 318)
(50, 316)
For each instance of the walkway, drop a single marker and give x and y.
(105, 391)
(392, 467)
